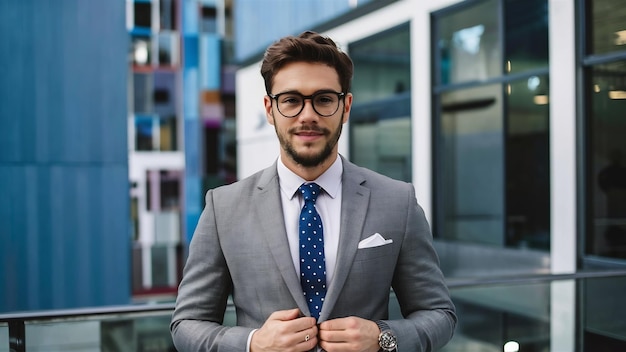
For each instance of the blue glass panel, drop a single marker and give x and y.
(144, 133)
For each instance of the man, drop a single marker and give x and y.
(255, 238)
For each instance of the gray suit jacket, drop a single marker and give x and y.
(240, 248)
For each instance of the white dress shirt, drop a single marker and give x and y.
(328, 205)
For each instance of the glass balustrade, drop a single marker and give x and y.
(580, 312)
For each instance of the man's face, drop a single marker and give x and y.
(308, 139)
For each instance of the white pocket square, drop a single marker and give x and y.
(374, 240)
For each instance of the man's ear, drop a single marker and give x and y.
(347, 106)
(269, 112)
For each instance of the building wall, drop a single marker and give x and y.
(64, 229)
(257, 145)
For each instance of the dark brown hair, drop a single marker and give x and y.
(306, 47)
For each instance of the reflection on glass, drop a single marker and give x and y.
(167, 13)
(604, 311)
(144, 133)
(142, 14)
(4, 336)
(63, 336)
(137, 260)
(149, 334)
(491, 317)
(171, 188)
(526, 35)
(528, 164)
(382, 65)
(134, 217)
(160, 263)
(606, 181)
(163, 190)
(381, 136)
(469, 44)
(117, 335)
(125, 332)
(168, 48)
(208, 21)
(607, 25)
(164, 92)
(154, 133)
(471, 166)
(143, 93)
(380, 126)
(168, 130)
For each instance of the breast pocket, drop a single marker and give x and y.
(373, 261)
(372, 270)
(372, 253)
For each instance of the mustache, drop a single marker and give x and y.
(312, 128)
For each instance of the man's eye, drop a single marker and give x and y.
(325, 99)
(291, 100)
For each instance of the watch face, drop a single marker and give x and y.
(387, 341)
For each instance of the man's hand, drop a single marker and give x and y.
(286, 331)
(349, 334)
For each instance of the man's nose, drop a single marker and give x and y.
(309, 109)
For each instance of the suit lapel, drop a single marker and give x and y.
(272, 226)
(354, 204)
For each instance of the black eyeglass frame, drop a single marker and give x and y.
(340, 96)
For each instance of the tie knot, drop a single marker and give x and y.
(310, 191)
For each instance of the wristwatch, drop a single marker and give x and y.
(386, 340)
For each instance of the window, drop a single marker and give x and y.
(606, 21)
(491, 121)
(472, 168)
(604, 67)
(468, 44)
(380, 121)
(154, 100)
(156, 260)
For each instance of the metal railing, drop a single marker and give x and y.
(112, 317)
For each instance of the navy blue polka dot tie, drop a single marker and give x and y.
(312, 261)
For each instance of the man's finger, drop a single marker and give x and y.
(335, 324)
(289, 314)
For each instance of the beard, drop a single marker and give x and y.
(311, 160)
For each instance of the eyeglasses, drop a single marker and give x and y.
(290, 104)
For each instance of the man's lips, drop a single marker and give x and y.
(309, 133)
(308, 136)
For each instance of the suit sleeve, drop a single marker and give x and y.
(429, 314)
(203, 294)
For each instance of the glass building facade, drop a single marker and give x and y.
(506, 116)
(491, 123)
(603, 71)
(380, 120)
(180, 136)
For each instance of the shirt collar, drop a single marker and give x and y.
(330, 180)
